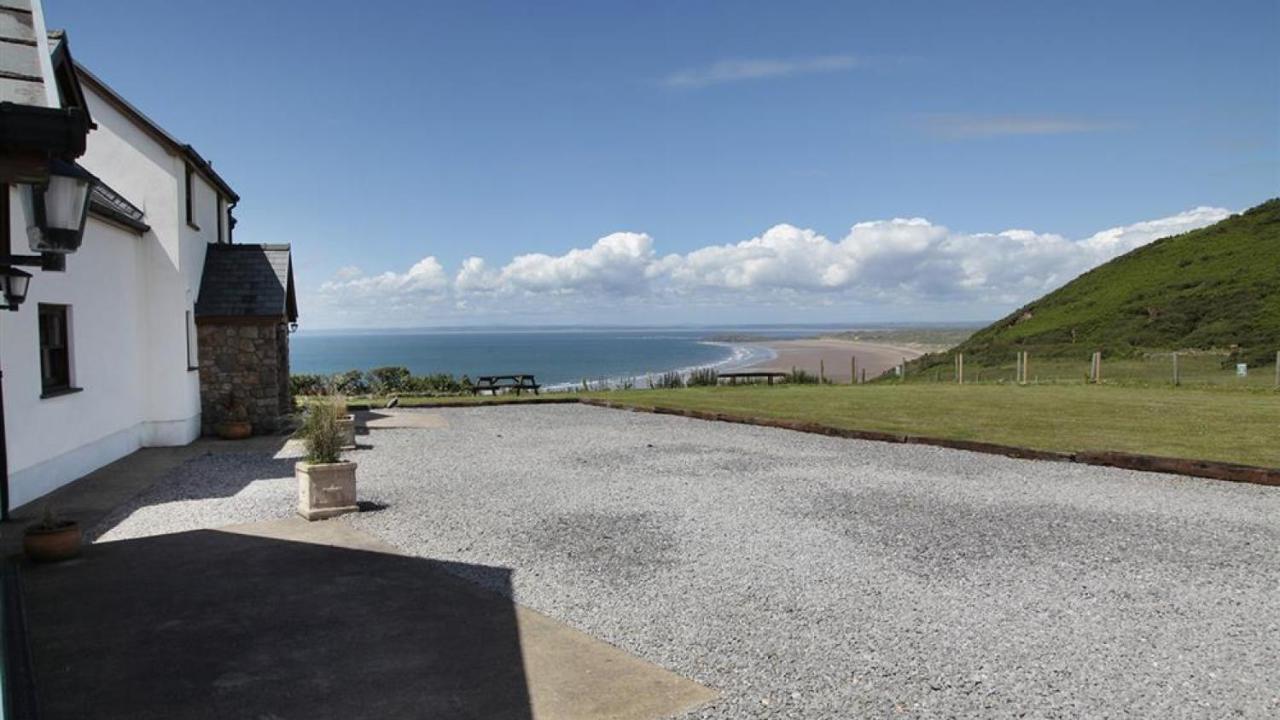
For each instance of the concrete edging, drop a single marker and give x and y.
(436, 405)
(1107, 458)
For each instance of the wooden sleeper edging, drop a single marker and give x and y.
(1211, 469)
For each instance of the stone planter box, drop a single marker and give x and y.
(347, 426)
(326, 490)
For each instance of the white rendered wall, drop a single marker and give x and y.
(129, 295)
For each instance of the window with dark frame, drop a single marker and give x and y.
(191, 199)
(5, 248)
(55, 350)
(193, 357)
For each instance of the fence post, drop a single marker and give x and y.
(1026, 362)
(822, 371)
(853, 369)
(1176, 380)
(864, 376)
(1017, 368)
(960, 368)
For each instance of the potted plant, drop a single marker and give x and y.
(326, 482)
(235, 423)
(52, 538)
(346, 422)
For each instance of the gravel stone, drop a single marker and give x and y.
(815, 577)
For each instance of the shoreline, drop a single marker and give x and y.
(833, 353)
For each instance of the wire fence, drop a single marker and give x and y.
(1151, 369)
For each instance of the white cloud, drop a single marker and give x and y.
(426, 278)
(899, 261)
(757, 69)
(962, 127)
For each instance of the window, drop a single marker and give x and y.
(221, 211)
(4, 220)
(55, 350)
(193, 355)
(190, 186)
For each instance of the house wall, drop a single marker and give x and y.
(129, 295)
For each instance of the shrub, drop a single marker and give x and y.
(437, 384)
(309, 384)
(704, 377)
(669, 380)
(351, 382)
(389, 379)
(802, 377)
(320, 429)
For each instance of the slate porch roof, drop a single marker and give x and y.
(247, 281)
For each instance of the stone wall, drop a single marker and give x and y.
(250, 361)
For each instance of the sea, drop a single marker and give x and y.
(558, 357)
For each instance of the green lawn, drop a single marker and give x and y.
(1242, 427)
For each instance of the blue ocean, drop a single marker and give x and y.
(557, 357)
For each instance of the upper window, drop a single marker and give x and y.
(190, 191)
(55, 349)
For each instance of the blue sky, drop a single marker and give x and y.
(702, 162)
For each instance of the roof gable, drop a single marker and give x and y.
(247, 281)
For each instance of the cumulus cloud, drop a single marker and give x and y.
(738, 70)
(962, 127)
(900, 260)
(426, 278)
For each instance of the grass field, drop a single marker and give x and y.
(1241, 427)
(1152, 370)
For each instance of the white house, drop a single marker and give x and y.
(104, 357)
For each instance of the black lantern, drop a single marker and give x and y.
(13, 286)
(56, 211)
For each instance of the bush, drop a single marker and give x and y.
(704, 377)
(437, 384)
(309, 384)
(351, 382)
(389, 379)
(802, 377)
(320, 429)
(669, 380)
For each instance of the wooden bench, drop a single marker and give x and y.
(769, 377)
(494, 383)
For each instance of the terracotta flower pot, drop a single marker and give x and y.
(51, 544)
(234, 429)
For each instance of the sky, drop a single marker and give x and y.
(475, 163)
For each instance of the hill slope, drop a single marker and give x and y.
(1213, 288)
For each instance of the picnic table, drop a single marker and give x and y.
(494, 383)
(734, 377)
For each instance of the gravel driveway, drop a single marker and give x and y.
(806, 576)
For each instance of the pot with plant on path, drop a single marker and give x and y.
(326, 482)
(235, 423)
(346, 423)
(52, 538)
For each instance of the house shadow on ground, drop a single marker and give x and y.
(218, 624)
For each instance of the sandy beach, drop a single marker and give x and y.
(835, 355)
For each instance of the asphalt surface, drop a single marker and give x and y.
(806, 576)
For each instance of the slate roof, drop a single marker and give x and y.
(247, 281)
(110, 204)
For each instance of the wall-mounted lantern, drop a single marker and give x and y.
(56, 210)
(13, 286)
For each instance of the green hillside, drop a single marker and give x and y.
(1217, 288)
